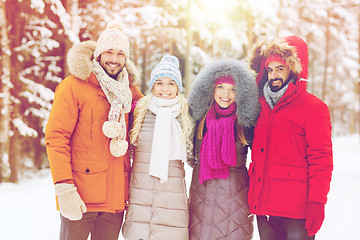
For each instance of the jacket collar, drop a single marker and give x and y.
(93, 80)
(291, 93)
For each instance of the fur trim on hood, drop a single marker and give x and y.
(202, 90)
(79, 61)
(294, 51)
(266, 49)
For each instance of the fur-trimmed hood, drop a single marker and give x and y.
(294, 51)
(79, 61)
(202, 90)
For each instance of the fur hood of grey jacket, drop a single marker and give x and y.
(202, 90)
(79, 61)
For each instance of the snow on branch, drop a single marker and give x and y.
(23, 129)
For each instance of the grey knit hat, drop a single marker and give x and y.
(168, 67)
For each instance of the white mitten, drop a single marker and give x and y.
(70, 203)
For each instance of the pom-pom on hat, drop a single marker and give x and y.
(112, 37)
(168, 67)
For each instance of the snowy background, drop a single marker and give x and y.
(27, 209)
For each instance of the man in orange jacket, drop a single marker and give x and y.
(87, 136)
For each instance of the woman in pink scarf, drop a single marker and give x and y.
(224, 102)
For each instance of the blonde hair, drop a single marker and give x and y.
(188, 123)
(139, 115)
(239, 129)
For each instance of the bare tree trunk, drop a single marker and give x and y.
(279, 16)
(5, 86)
(326, 65)
(135, 59)
(327, 51)
(250, 31)
(72, 8)
(143, 75)
(37, 147)
(188, 59)
(16, 35)
(14, 155)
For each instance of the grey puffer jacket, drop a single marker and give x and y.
(157, 211)
(219, 208)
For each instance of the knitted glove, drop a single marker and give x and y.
(70, 203)
(315, 215)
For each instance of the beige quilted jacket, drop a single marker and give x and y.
(157, 211)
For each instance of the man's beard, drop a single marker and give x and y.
(112, 74)
(276, 88)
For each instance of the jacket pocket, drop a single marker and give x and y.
(91, 180)
(288, 172)
(287, 189)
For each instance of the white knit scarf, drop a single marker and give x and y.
(119, 96)
(167, 141)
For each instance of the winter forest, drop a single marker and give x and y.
(36, 35)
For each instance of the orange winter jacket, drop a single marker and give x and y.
(77, 148)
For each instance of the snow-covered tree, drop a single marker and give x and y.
(36, 59)
(36, 35)
(331, 30)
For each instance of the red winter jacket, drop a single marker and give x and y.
(291, 153)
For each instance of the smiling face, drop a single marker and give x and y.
(112, 61)
(224, 94)
(165, 88)
(278, 75)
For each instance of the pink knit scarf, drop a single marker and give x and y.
(218, 149)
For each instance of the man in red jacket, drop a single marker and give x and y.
(292, 160)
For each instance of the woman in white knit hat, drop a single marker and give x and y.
(86, 137)
(162, 135)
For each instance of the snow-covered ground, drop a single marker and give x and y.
(27, 209)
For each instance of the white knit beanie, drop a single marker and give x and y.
(112, 38)
(168, 67)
